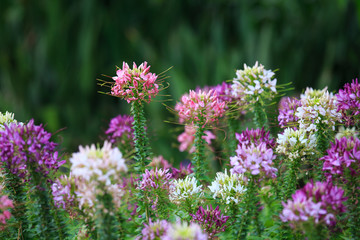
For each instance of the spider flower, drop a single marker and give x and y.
(200, 107)
(211, 220)
(343, 155)
(120, 129)
(182, 172)
(5, 205)
(63, 191)
(187, 138)
(255, 136)
(185, 231)
(154, 230)
(160, 162)
(287, 110)
(318, 110)
(136, 84)
(24, 146)
(229, 188)
(183, 189)
(347, 132)
(254, 82)
(254, 160)
(316, 203)
(6, 118)
(154, 179)
(349, 102)
(296, 143)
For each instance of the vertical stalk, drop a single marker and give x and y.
(105, 220)
(260, 116)
(141, 141)
(199, 153)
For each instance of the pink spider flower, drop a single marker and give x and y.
(187, 138)
(349, 102)
(318, 202)
(255, 136)
(254, 160)
(5, 205)
(200, 107)
(287, 110)
(136, 84)
(154, 179)
(343, 155)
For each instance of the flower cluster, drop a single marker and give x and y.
(254, 82)
(346, 132)
(318, 110)
(200, 107)
(224, 92)
(24, 146)
(211, 220)
(187, 138)
(318, 203)
(154, 230)
(63, 191)
(6, 118)
(154, 179)
(344, 155)
(256, 160)
(120, 129)
(255, 136)
(182, 231)
(5, 205)
(160, 162)
(349, 103)
(137, 84)
(182, 172)
(229, 188)
(287, 109)
(183, 189)
(296, 143)
(97, 171)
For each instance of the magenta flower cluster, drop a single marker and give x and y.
(183, 171)
(200, 107)
(349, 102)
(63, 195)
(318, 203)
(154, 230)
(287, 109)
(137, 84)
(255, 136)
(343, 155)
(211, 220)
(25, 145)
(120, 127)
(224, 92)
(154, 179)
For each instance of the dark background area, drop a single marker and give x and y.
(52, 52)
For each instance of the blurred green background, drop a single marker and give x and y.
(52, 52)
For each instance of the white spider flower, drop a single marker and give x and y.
(254, 82)
(318, 110)
(6, 118)
(98, 164)
(347, 132)
(182, 189)
(296, 143)
(229, 188)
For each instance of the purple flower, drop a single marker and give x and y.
(255, 136)
(155, 179)
(319, 202)
(24, 146)
(224, 91)
(343, 154)
(287, 109)
(211, 220)
(349, 103)
(182, 172)
(154, 230)
(64, 194)
(120, 129)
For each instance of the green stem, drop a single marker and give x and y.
(199, 154)
(260, 116)
(290, 178)
(106, 223)
(141, 141)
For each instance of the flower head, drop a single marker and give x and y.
(6, 118)
(5, 205)
(255, 136)
(154, 230)
(296, 143)
(211, 220)
(182, 172)
(26, 145)
(229, 188)
(318, 202)
(160, 162)
(63, 191)
(349, 102)
(343, 155)
(120, 129)
(182, 189)
(318, 110)
(287, 110)
(184, 231)
(346, 132)
(200, 107)
(154, 179)
(254, 82)
(136, 84)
